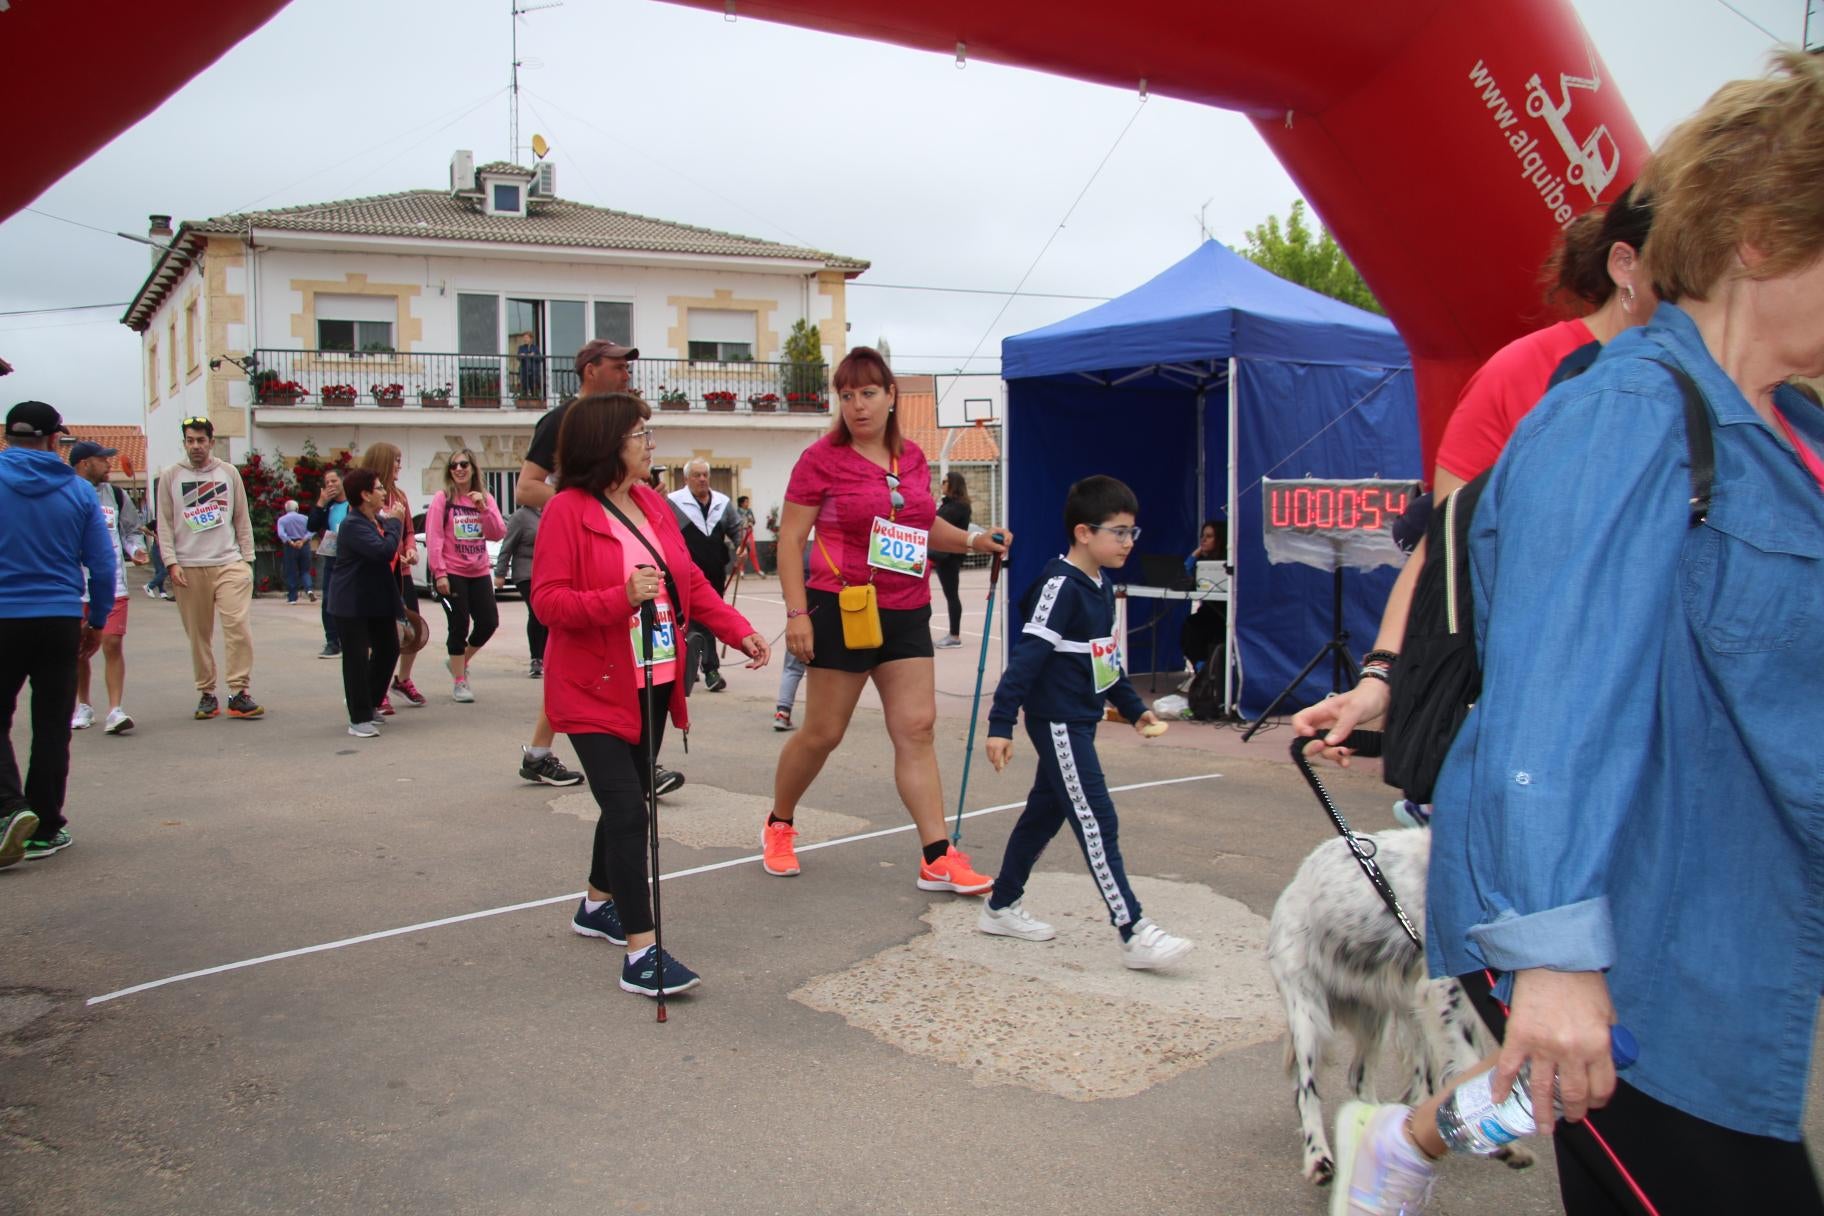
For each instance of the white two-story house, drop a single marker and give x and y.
(436, 319)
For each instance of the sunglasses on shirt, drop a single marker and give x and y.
(898, 500)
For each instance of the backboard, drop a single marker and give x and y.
(964, 400)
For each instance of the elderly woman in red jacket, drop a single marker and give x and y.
(607, 544)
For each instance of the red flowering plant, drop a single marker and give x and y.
(269, 483)
(307, 473)
(764, 401)
(271, 388)
(386, 394)
(719, 400)
(806, 401)
(333, 393)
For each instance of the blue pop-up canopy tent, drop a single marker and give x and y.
(1191, 388)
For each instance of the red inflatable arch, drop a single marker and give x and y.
(1443, 142)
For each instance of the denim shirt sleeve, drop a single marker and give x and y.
(1576, 573)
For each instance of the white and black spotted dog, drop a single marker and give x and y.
(1343, 963)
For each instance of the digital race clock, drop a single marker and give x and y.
(1331, 523)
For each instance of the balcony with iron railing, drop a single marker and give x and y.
(341, 380)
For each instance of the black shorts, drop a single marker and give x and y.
(905, 634)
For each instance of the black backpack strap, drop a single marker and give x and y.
(1698, 442)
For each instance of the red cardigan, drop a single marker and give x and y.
(579, 590)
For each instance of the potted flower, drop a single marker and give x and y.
(673, 399)
(763, 403)
(435, 398)
(480, 389)
(273, 391)
(806, 403)
(721, 400)
(387, 395)
(526, 399)
(339, 394)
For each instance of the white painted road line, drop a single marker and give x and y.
(558, 899)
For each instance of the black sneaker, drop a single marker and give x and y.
(603, 922)
(15, 829)
(536, 670)
(713, 681)
(240, 705)
(642, 977)
(668, 781)
(547, 770)
(330, 651)
(207, 707)
(35, 849)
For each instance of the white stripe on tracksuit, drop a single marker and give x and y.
(1092, 828)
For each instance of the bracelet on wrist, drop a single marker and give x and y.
(1381, 658)
(790, 613)
(1377, 673)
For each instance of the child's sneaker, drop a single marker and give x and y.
(777, 857)
(952, 872)
(1378, 1173)
(1151, 947)
(604, 922)
(36, 849)
(15, 830)
(643, 977)
(1013, 921)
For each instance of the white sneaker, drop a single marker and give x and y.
(150, 594)
(461, 692)
(1151, 947)
(1013, 921)
(948, 642)
(83, 718)
(1376, 1175)
(364, 730)
(118, 722)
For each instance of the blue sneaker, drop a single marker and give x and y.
(15, 829)
(604, 922)
(642, 977)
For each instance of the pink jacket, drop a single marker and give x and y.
(456, 535)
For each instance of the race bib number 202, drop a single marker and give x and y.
(898, 548)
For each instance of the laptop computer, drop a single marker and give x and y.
(1165, 570)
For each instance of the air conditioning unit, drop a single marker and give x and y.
(462, 172)
(545, 183)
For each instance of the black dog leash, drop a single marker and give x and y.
(1362, 743)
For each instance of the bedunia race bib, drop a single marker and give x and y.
(664, 637)
(1104, 663)
(467, 527)
(898, 548)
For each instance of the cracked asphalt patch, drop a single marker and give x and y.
(1065, 1017)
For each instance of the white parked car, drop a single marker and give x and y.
(421, 572)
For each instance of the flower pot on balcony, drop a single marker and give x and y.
(674, 406)
(279, 398)
(389, 403)
(481, 403)
(426, 401)
(719, 404)
(808, 407)
(760, 405)
(529, 403)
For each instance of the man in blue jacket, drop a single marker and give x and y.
(52, 529)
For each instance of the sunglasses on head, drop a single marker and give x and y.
(194, 422)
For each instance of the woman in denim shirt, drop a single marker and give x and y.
(1631, 823)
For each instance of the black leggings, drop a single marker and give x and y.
(949, 575)
(370, 648)
(536, 633)
(618, 778)
(471, 611)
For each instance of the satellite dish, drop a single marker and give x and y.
(539, 146)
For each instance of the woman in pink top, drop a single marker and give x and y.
(458, 525)
(867, 490)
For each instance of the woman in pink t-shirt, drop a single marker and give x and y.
(458, 525)
(867, 491)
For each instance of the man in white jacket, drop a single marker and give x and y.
(711, 527)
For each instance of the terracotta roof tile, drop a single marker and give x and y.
(439, 215)
(130, 441)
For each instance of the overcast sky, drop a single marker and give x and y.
(939, 177)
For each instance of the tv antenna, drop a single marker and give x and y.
(520, 10)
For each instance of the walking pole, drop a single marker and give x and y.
(975, 706)
(732, 600)
(648, 623)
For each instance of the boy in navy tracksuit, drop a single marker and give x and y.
(1065, 667)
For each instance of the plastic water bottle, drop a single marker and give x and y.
(1471, 1121)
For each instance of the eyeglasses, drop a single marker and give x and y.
(1126, 536)
(894, 496)
(646, 436)
(461, 464)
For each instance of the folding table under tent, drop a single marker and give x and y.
(1191, 388)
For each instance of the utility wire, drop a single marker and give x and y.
(977, 291)
(33, 312)
(1017, 287)
(73, 223)
(1751, 21)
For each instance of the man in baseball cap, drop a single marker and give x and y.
(50, 529)
(92, 463)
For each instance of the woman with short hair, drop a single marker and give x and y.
(1630, 826)
(364, 598)
(867, 490)
(458, 524)
(608, 544)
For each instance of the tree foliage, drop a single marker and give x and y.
(1309, 258)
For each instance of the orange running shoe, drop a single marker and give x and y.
(952, 872)
(776, 855)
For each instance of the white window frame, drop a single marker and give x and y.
(725, 329)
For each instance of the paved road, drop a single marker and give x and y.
(855, 1047)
